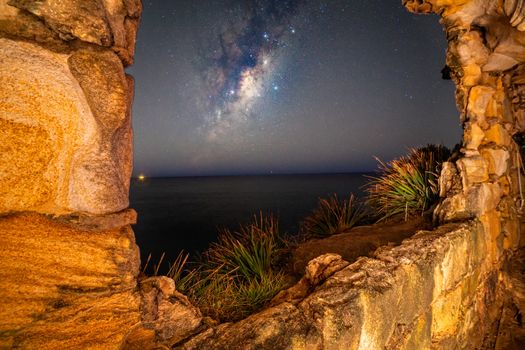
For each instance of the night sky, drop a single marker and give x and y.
(231, 87)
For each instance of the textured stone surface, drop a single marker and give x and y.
(474, 170)
(316, 272)
(66, 288)
(66, 133)
(323, 266)
(435, 288)
(497, 161)
(359, 241)
(108, 23)
(486, 54)
(20, 24)
(65, 150)
(511, 331)
(167, 316)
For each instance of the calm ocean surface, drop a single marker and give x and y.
(183, 213)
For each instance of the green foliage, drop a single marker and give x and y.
(248, 252)
(408, 184)
(333, 216)
(229, 298)
(234, 277)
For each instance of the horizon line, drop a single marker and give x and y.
(253, 174)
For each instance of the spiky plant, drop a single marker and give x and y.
(237, 276)
(228, 298)
(234, 277)
(333, 216)
(255, 293)
(249, 251)
(408, 184)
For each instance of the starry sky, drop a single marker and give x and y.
(236, 87)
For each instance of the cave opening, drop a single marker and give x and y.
(319, 90)
(70, 265)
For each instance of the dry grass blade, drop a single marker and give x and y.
(145, 267)
(157, 266)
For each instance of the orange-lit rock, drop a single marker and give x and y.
(433, 291)
(168, 317)
(64, 286)
(67, 121)
(68, 261)
(108, 23)
(474, 170)
(497, 161)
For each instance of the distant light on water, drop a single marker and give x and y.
(142, 177)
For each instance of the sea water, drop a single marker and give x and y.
(184, 213)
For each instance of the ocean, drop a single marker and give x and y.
(184, 213)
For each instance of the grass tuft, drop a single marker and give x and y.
(229, 298)
(248, 252)
(333, 216)
(408, 184)
(234, 277)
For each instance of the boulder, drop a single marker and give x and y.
(168, 317)
(65, 287)
(66, 130)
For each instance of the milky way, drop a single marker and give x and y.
(286, 86)
(242, 68)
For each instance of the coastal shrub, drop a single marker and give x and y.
(333, 216)
(248, 252)
(235, 276)
(229, 298)
(408, 184)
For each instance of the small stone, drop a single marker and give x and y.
(473, 170)
(499, 62)
(323, 267)
(497, 159)
(472, 74)
(473, 136)
(453, 208)
(169, 313)
(499, 135)
(449, 180)
(478, 100)
(483, 198)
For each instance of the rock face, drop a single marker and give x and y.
(486, 56)
(66, 132)
(435, 291)
(66, 287)
(68, 261)
(168, 317)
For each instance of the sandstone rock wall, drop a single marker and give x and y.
(66, 106)
(435, 291)
(68, 258)
(485, 58)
